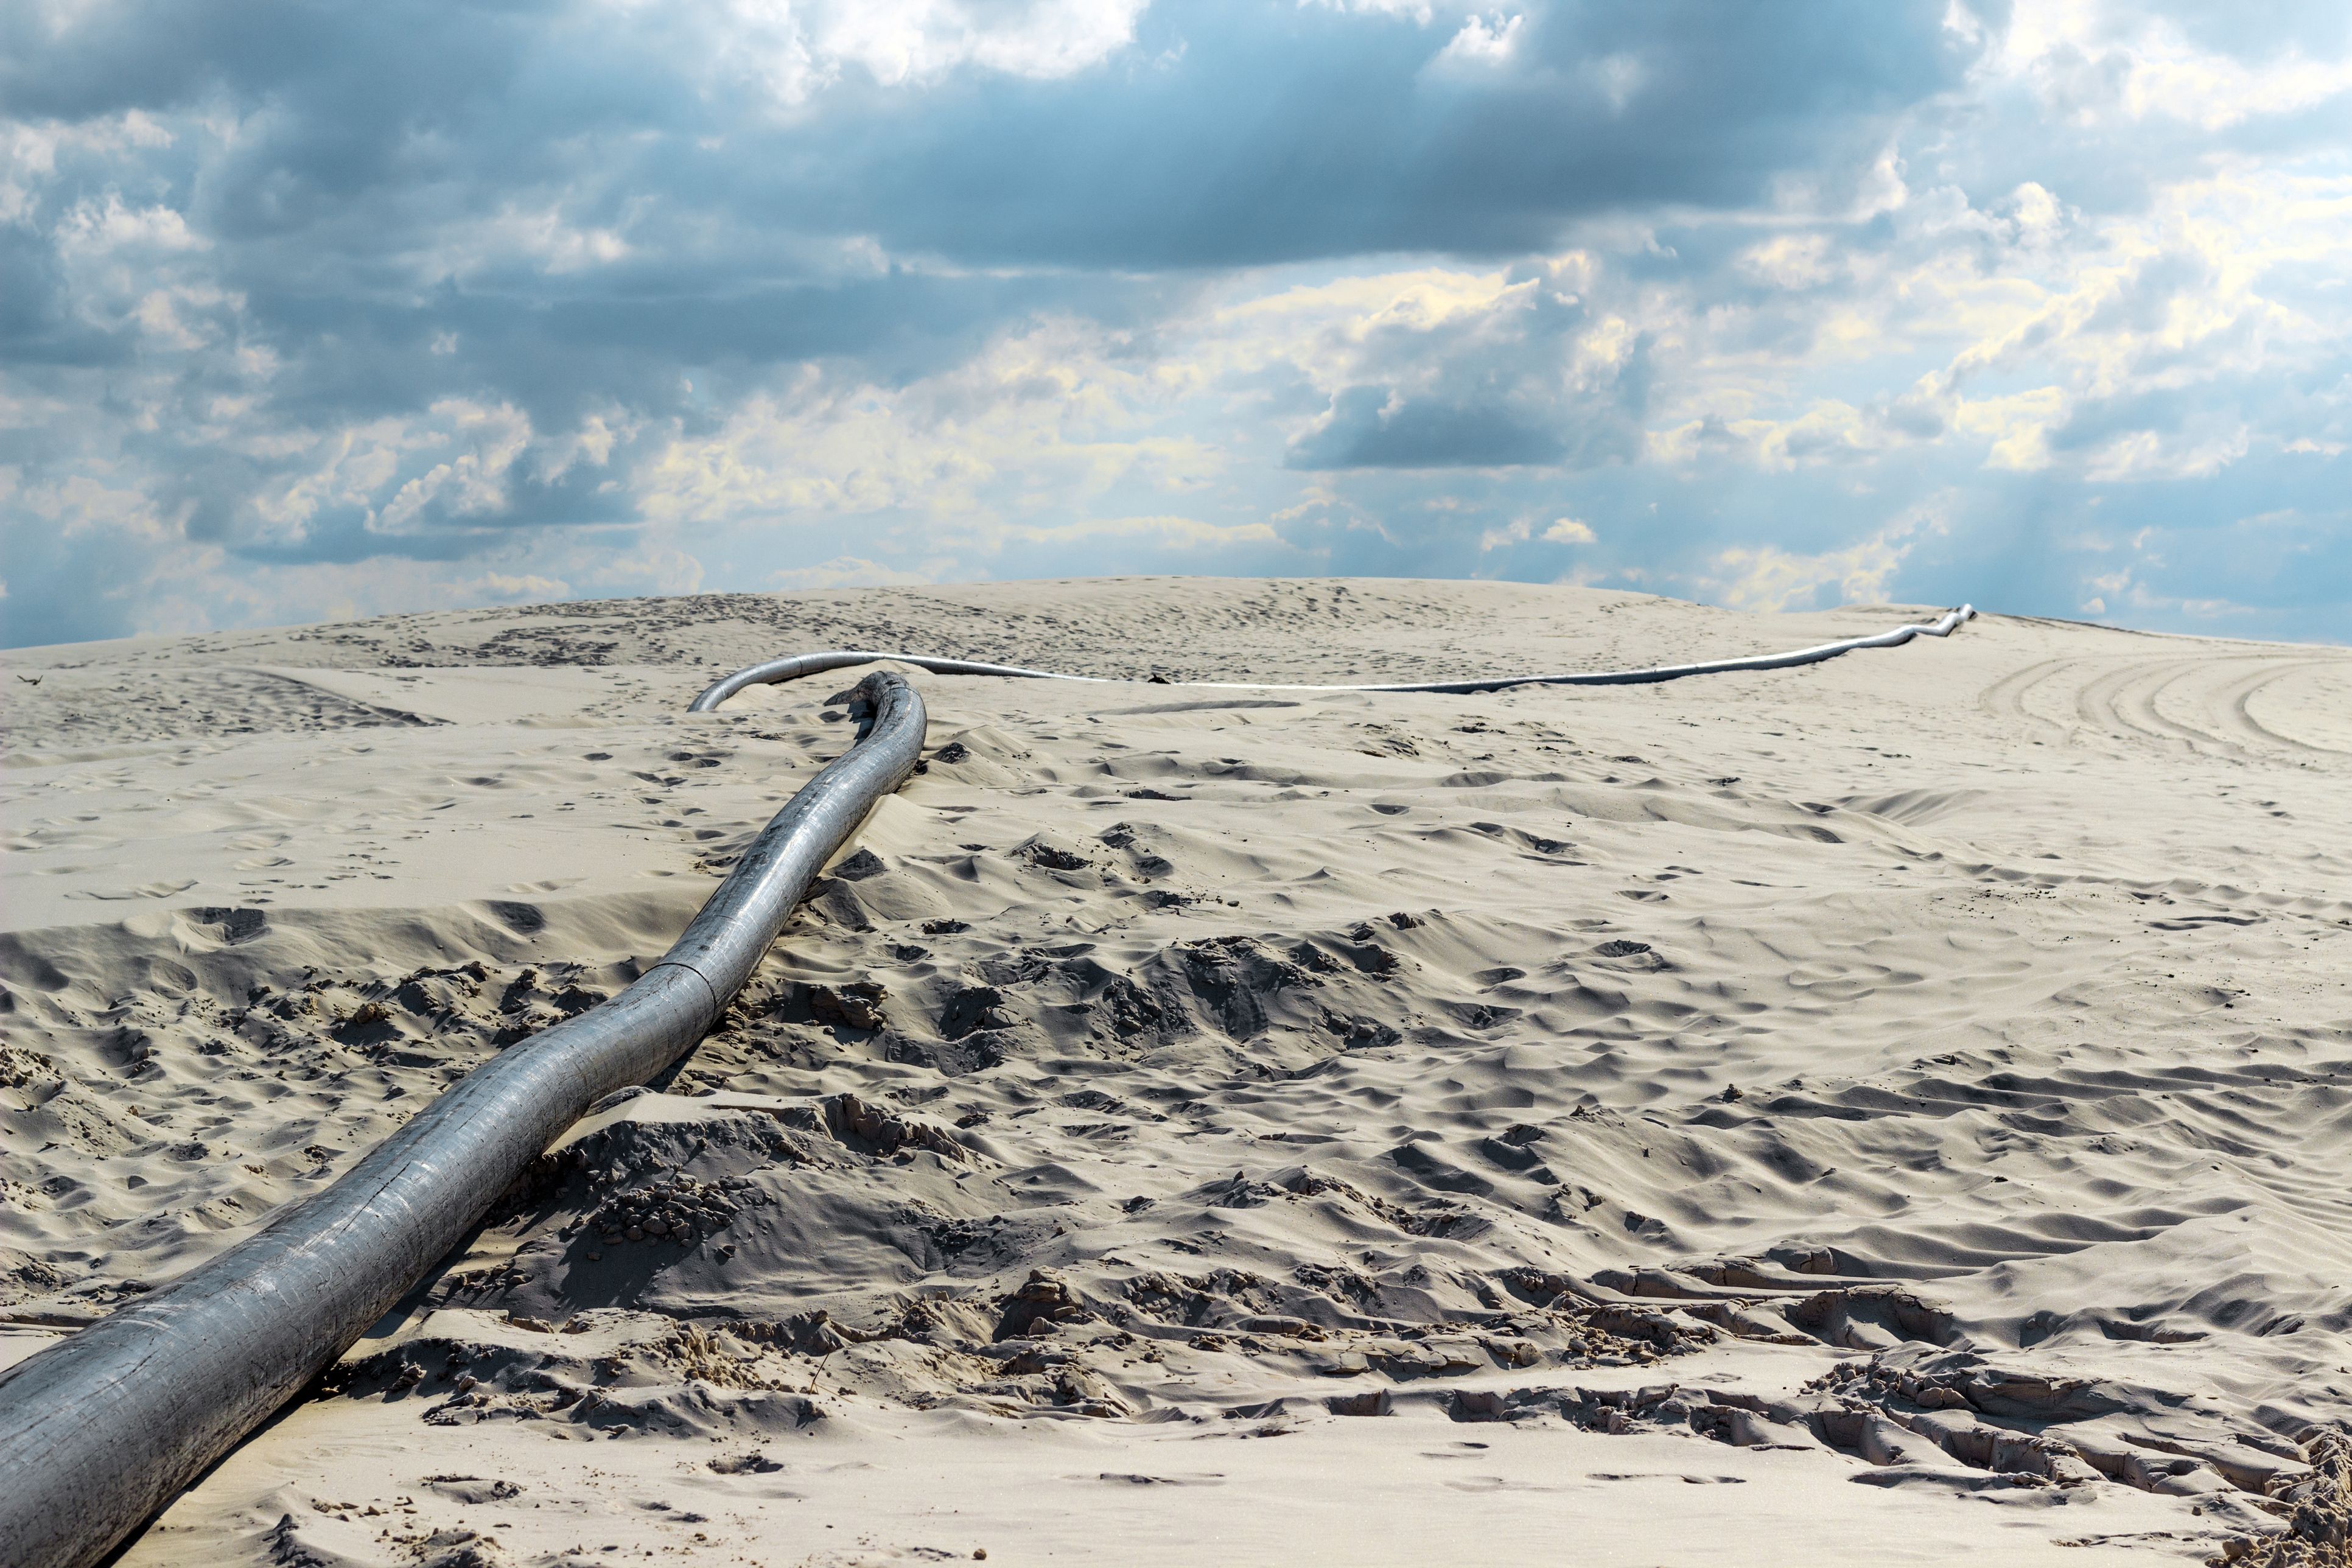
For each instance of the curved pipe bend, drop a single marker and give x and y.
(99, 1431)
(799, 664)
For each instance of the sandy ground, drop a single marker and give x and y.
(1890, 1112)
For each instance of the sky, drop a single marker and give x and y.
(312, 311)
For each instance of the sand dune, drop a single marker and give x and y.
(1893, 1110)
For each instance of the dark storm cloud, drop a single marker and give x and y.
(1221, 136)
(1369, 427)
(1279, 133)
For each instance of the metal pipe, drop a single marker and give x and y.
(798, 665)
(101, 1431)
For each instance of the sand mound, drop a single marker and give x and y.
(1928, 1069)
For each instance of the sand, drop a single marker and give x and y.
(1889, 1111)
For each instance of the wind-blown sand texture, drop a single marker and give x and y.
(1892, 1110)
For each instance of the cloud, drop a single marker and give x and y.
(1508, 370)
(1483, 43)
(303, 309)
(1276, 134)
(1379, 427)
(1763, 577)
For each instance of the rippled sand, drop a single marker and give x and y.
(1894, 1110)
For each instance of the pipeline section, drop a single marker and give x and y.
(99, 1432)
(798, 665)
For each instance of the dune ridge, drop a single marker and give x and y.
(1926, 1069)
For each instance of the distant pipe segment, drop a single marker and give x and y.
(99, 1432)
(798, 665)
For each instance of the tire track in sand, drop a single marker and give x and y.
(2199, 706)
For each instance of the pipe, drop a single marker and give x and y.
(101, 1431)
(798, 665)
